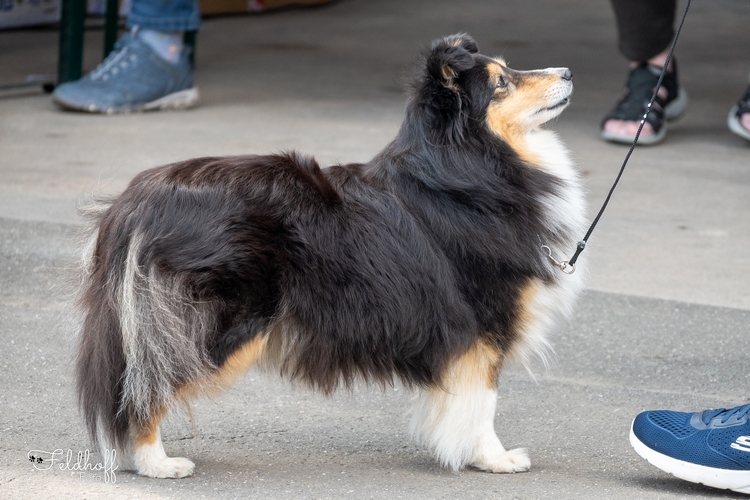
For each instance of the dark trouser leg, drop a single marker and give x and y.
(645, 27)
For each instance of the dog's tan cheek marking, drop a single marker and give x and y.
(503, 114)
(507, 117)
(502, 120)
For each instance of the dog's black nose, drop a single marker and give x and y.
(567, 75)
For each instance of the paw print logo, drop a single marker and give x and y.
(36, 457)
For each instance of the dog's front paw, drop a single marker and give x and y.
(506, 462)
(168, 468)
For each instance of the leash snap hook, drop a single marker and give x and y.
(565, 266)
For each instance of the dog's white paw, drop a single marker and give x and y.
(175, 467)
(507, 462)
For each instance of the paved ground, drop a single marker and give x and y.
(666, 321)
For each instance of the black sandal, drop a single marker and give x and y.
(737, 111)
(638, 91)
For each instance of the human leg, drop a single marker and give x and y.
(645, 28)
(165, 15)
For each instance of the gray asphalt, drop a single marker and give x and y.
(665, 322)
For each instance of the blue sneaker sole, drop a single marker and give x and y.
(708, 476)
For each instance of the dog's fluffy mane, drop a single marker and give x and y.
(390, 268)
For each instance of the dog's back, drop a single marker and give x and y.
(424, 264)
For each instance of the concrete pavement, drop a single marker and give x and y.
(665, 324)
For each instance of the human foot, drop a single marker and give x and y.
(134, 77)
(739, 117)
(622, 123)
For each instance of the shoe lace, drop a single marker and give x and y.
(114, 58)
(725, 414)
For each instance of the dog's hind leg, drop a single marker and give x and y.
(148, 455)
(457, 420)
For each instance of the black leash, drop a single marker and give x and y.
(569, 266)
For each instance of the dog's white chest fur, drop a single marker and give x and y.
(564, 214)
(565, 211)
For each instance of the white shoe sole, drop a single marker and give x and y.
(179, 100)
(673, 111)
(182, 99)
(735, 480)
(735, 126)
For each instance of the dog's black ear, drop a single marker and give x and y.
(450, 56)
(464, 41)
(439, 93)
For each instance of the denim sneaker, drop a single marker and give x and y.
(710, 447)
(132, 78)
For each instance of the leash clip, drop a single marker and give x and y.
(565, 266)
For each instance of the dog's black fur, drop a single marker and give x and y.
(392, 268)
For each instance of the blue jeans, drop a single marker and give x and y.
(165, 15)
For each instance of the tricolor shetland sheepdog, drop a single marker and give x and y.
(423, 265)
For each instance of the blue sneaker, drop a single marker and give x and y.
(132, 78)
(710, 447)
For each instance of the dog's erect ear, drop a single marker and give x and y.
(461, 40)
(438, 91)
(450, 56)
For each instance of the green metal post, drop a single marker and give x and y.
(70, 61)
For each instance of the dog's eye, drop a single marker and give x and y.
(502, 82)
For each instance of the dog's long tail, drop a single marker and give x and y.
(100, 362)
(143, 337)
